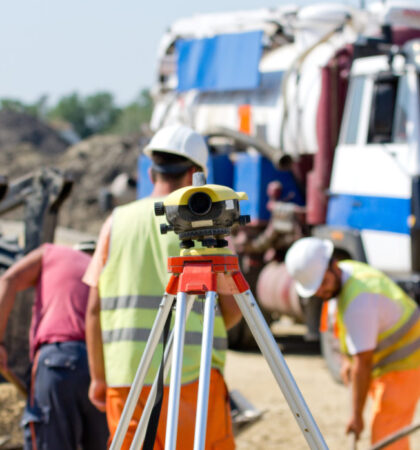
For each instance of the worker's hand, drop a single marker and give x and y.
(97, 394)
(345, 370)
(3, 357)
(355, 426)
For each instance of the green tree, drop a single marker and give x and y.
(135, 114)
(71, 109)
(37, 109)
(96, 113)
(101, 112)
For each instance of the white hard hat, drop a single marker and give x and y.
(307, 261)
(180, 140)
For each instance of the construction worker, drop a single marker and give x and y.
(379, 328)
(58, 413)
(128, 276)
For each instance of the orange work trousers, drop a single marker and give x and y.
(395, 397)
(219, 433)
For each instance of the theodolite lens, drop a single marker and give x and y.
(199, 203)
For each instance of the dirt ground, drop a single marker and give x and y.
(327, 400)
(11, 407)
(250, 375)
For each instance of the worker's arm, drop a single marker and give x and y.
(360, 377)
(22, 275)
(97, 389)
(345, 369)
(230, 310)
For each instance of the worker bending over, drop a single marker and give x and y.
(128, 277)
(379, 328)
(58, 414)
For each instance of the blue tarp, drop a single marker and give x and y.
(222, 63)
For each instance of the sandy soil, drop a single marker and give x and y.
(328, 402)
(250, 375)
(11, 407)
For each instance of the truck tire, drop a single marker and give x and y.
(240, 336)
(330, 349)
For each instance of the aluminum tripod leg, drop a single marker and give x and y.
(130, 404)
(145, 416)
(175, 383)
(279, 368)
(205, 368)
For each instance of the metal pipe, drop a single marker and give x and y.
(280, 370)
(275, 155)
(175, 383)
(138, 382)
(205, 370)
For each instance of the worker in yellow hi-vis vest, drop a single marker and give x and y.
(379, 328)
(128, 276)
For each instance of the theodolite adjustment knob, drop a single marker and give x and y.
(164, 228)
(159, 209)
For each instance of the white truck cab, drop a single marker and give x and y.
(375, 177)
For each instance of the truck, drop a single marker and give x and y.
(315, 112)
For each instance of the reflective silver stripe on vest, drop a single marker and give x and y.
(142, 334)
(398, 334)
(399, 354)
(145, 302)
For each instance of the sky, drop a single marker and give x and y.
(56, 47)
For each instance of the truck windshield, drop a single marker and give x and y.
(399, 132)
(383, 110)
(353, 110)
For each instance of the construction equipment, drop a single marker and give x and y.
(40, 194)
(328, 93)
(201, 271)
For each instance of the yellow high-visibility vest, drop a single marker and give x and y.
(398, 348)
(131, 287)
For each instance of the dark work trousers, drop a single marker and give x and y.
(61, 414)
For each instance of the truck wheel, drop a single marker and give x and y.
(240, 336)
(330, 349)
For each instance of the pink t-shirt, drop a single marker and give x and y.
(58, 314)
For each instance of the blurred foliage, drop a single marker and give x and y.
(37, 109)
(96, 113)
(90, 115)
(134, 115)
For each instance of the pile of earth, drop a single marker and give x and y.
(94, 164)
(28, 144)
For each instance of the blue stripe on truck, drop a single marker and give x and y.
(369, 213)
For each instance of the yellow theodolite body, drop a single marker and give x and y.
(205, 213)
(216, 192)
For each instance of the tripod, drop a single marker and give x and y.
(200, 272)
